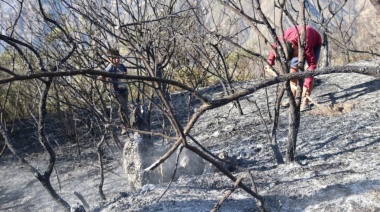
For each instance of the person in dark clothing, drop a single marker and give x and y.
(120, 87)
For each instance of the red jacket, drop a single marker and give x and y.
(313, 39)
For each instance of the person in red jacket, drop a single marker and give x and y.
(312, 51)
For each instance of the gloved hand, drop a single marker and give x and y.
(269, 70)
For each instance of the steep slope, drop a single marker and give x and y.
(337, 157)
(337, 166)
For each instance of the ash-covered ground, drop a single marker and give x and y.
(337, 167)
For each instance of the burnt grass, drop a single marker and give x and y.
(336, 164)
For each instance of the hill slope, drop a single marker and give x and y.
(337, 166)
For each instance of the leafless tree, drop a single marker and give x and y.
(332, 20)
(322, 14)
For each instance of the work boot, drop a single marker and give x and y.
(305, 107)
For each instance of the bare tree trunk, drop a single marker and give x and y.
(325, 54)
(294, 110)
(294, 120)
(273, 144)
(346, 56)
(42, 178)
(45, 178)
(228, 78)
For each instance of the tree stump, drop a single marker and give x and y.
(140, 152)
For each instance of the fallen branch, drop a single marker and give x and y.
(81, 198)
(333, 109)
(59, 181)
(229, 175)
(254, 188)
(164, 157)
(175, 171)
(227, 194)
